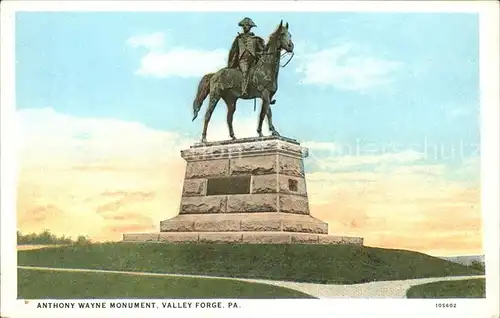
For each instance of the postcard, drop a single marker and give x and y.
(213, 159)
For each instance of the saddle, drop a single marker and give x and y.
(250, 71)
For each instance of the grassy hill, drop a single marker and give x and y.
(38, 284)
(470, 288)
(336, 264)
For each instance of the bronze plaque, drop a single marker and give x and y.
(228, 185)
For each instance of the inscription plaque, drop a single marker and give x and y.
(228, 185)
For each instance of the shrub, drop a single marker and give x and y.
(477, 266)
(83, 240)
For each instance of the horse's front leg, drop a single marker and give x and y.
(266, 99)
(272, 129)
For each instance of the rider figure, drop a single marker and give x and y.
(244, 50)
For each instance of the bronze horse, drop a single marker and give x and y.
(263, 83)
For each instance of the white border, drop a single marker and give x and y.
(8, 172)
(254, 6)
(490, 144)
(489, 79)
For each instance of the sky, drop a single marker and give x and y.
(387, 103)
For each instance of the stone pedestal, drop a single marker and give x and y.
(251, 190)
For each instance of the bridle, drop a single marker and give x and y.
(281, 56)
(284, 54)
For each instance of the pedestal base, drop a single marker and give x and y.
(250, 190)
(241, 238)
(245, 222)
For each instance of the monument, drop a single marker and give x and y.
(252, 190)
(249, 190)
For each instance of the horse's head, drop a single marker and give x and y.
(284, 38)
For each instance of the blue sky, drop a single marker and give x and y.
(390, 77)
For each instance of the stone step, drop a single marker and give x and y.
(244, 222)
(241, 238)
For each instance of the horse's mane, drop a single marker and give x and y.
(272, 37)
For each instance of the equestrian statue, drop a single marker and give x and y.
(252, 72)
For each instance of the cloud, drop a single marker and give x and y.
(459, 112)
(346, 67)
(320, 146)
(340, 161)
(161, 61)
(388, 208)
(152, 41)
(50, 138)
(447, 223)
(90, 176)
(387, 197)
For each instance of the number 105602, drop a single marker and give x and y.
(446, 305)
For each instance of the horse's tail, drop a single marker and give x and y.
(201, 94)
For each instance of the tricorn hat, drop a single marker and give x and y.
(247, 21)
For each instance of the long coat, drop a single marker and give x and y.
(234, 52)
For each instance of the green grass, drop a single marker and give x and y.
(470, 288)
(337, 264)
(39, 284)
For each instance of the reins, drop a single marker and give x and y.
(291, 56)
(281, 56)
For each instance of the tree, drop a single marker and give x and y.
(46, 238)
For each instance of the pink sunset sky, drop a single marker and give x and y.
(103, 178)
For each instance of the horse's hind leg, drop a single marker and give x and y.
(211, 106)
(231, 108)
